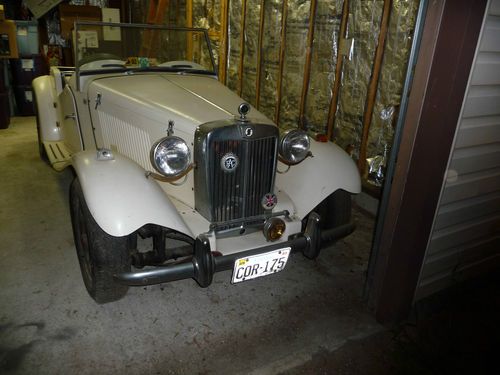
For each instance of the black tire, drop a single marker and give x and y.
(100, 255)
(335, 210)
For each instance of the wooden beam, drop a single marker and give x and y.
(338, 71)
(242, 46)
(284, 16)
(259, 54)
(224, 33)
(372, 87)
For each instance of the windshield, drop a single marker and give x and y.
(105, 46)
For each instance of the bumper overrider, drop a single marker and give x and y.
(204, 264)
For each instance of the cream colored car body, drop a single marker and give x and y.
(126, 113)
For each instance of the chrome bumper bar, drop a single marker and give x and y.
(204, 264)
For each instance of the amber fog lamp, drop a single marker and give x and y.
(274, 228)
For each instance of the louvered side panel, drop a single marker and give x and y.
(466, 235)
(128, 139)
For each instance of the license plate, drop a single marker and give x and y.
(251, 267)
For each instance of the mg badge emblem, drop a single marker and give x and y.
(269, 201)
(229, 162)
(248, 132)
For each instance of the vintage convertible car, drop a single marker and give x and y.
(166, 157)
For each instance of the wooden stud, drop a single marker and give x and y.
(284, 16)
(189, 23)
(307, 66)
(211, 12)
(338, 71)
(372, 88)
(259, 54)
(224, 13)
(189, 13)
(177, 12)
(242, 45)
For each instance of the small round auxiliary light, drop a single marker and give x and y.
(274, 228)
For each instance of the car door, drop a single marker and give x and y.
(70, 122)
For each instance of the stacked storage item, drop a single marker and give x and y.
(24, 70)
(29, 66)
(4, 98)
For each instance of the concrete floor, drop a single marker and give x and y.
(49, 325)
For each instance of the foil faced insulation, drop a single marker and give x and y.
(323, 63)
(397, 50)
(234, 37)
(363, 28)
(296, 42)
(270, 57)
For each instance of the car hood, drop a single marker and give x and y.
(195, 99)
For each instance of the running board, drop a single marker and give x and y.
(59, 155)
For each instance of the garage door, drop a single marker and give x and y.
(465, 239)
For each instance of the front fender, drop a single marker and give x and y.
(46, 102)
(120, 197)
(313, 180)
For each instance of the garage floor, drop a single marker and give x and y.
(49, 325)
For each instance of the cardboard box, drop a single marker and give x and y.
(40, 7)
(27, 37)
(8, 40)
(71, 13)
(111, 33)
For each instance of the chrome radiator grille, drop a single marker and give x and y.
(221, 195)
(238, 194)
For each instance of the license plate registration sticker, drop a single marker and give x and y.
(251, 267)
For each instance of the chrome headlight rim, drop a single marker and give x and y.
(179, 172)
(284, 148)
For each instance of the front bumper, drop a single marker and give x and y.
(204, 264)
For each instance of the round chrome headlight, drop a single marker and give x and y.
(294, 146)
(170, 156)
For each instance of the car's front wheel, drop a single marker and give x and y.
(335, 210)
(100, 254)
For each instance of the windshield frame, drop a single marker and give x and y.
(143, 26)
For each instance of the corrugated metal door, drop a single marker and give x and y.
(465, 238)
